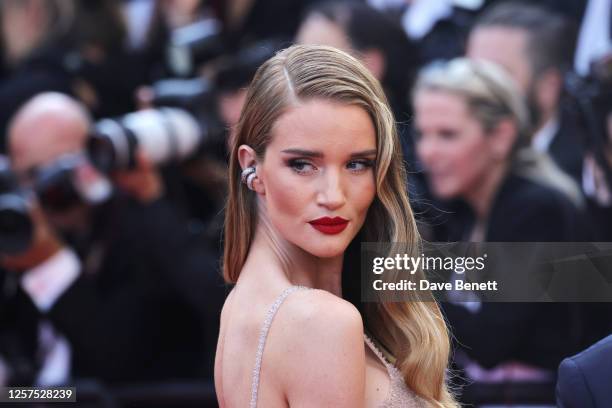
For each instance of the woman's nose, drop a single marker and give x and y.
(331, 194)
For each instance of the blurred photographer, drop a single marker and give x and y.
(175, 36)
(106, 72)
(588, 102)
(535, 46)
(27, 242)
(128, 286)
(33, 36)
(214, 101)
(77, 48)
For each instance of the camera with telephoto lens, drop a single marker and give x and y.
(163, 134)
(183, 123)
(16, 227)
(185, 120)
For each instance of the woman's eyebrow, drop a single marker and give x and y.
(302, 152)
(317, 154)
(363, 153)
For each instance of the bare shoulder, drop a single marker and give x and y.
(322, 348)
(228, 301)
(312, 312)
(227, 308)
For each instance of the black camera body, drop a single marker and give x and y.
(59, 188)
(16, 227)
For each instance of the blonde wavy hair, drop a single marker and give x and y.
(490, 93)
(492, 96)
(414, 333)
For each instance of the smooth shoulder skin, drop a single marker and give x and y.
(314, 355)
(320, 355)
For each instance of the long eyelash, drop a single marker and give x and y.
(295, 162)
(369, 162)
(365, 162)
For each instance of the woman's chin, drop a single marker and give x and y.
(444, 192)
(325, 251)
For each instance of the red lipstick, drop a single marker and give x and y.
(329, 226)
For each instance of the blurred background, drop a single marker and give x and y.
(114, 122)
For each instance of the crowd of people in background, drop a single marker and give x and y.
(114, 122)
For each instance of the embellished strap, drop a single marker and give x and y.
(263, 334)
(390, 367)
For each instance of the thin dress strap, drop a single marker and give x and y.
(399, 396)
(391, 369)
(263, 334)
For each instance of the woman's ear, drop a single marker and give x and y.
(248, 158)
(503, 138)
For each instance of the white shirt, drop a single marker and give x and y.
(422, 16)
(138, 15)
(543, 138)
(594, 37)
(45, 284)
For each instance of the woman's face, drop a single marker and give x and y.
(318, 175)
(451, 144)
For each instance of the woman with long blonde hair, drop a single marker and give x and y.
(316, 166)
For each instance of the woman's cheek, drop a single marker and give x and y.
(288, 198)
(364, 195)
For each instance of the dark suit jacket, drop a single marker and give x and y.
(585, 379)
(149, 311)
(540, 334)
(18, 331)
(522, 211)
(566, 149)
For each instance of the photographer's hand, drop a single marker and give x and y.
(143, 183)
(45, 244)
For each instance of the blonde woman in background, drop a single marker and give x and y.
(472, 130)
(472, 124)
(315, 166)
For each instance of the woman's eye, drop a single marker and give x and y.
(302, 166)
(448, 134)
(360, 165)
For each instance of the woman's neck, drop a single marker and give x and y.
(286, 263)
(481, 197)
